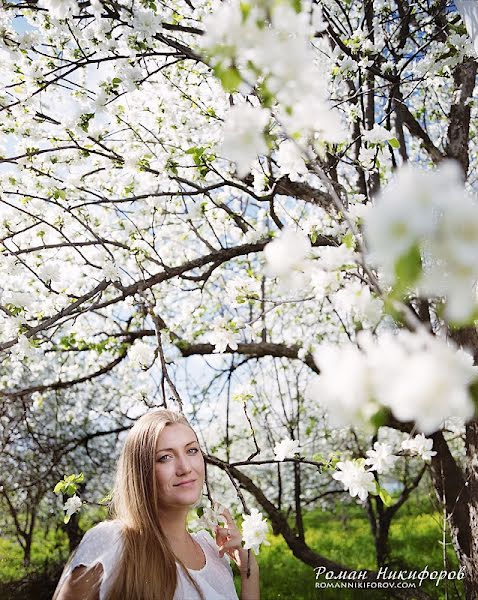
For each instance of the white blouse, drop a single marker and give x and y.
(103, 544)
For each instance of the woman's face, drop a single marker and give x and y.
(179, 466)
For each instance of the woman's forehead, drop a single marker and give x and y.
(175, 435)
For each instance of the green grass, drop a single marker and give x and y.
(346, 538)
(343, 536)
(46, 550)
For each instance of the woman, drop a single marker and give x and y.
(146, 552)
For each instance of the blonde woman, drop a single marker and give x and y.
(146, 551)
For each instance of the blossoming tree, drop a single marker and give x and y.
(267, 181)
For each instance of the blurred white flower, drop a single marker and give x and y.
(59, 9)
(430, 211)
(354, 382)
(287, 253)
(437, 382)
(244, 136)
(344, 386)
(290, 160)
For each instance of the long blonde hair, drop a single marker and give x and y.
(147, 570)
(147, 567)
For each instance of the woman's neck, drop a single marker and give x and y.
(173, 524)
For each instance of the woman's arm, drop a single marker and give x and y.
(229, 540)
(250, 589)
(81, 584)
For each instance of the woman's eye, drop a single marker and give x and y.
(163, 458)
(193, 450)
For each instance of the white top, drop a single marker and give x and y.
(103, 544)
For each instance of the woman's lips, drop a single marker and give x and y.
(185, 483)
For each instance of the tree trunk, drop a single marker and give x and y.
(381, 540)
(470, 560)
(456, 493)
(27, 551)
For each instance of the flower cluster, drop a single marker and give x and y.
(423, 232)
(266, 46)
(142, 354)
(418, 377)
(223, 335)
(286, 256)
(211, 517)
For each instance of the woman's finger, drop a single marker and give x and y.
(227, 531)
(232, 544)
(229, 520)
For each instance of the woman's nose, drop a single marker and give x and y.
(183, 466)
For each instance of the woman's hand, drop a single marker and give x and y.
(229, 540)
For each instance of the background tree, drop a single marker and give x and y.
(193, 180)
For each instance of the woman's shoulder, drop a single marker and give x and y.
(99, 544)
(104, 531)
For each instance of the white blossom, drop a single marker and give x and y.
(355, 478)
(377, 135)
(348, 399)
(421, 446)
(380, 459)
(436, 385)
(286, 448)
(145, 24)
(72, 505)
(437, 380)
(290, 160)
(141, 354)
(59, 9)
(244, 136)
(222, 336)
(212, 516)
(287, 253)
(429, 210)
(254, 531)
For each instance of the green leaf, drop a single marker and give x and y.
(385, 497)
(200, 511)
(380, 418)
(230, 78)
(245, 10)
(408, 267)
(69, 484)
(349, 240)
(394, 143)
(106, 499)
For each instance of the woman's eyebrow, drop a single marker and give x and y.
(185, 445)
